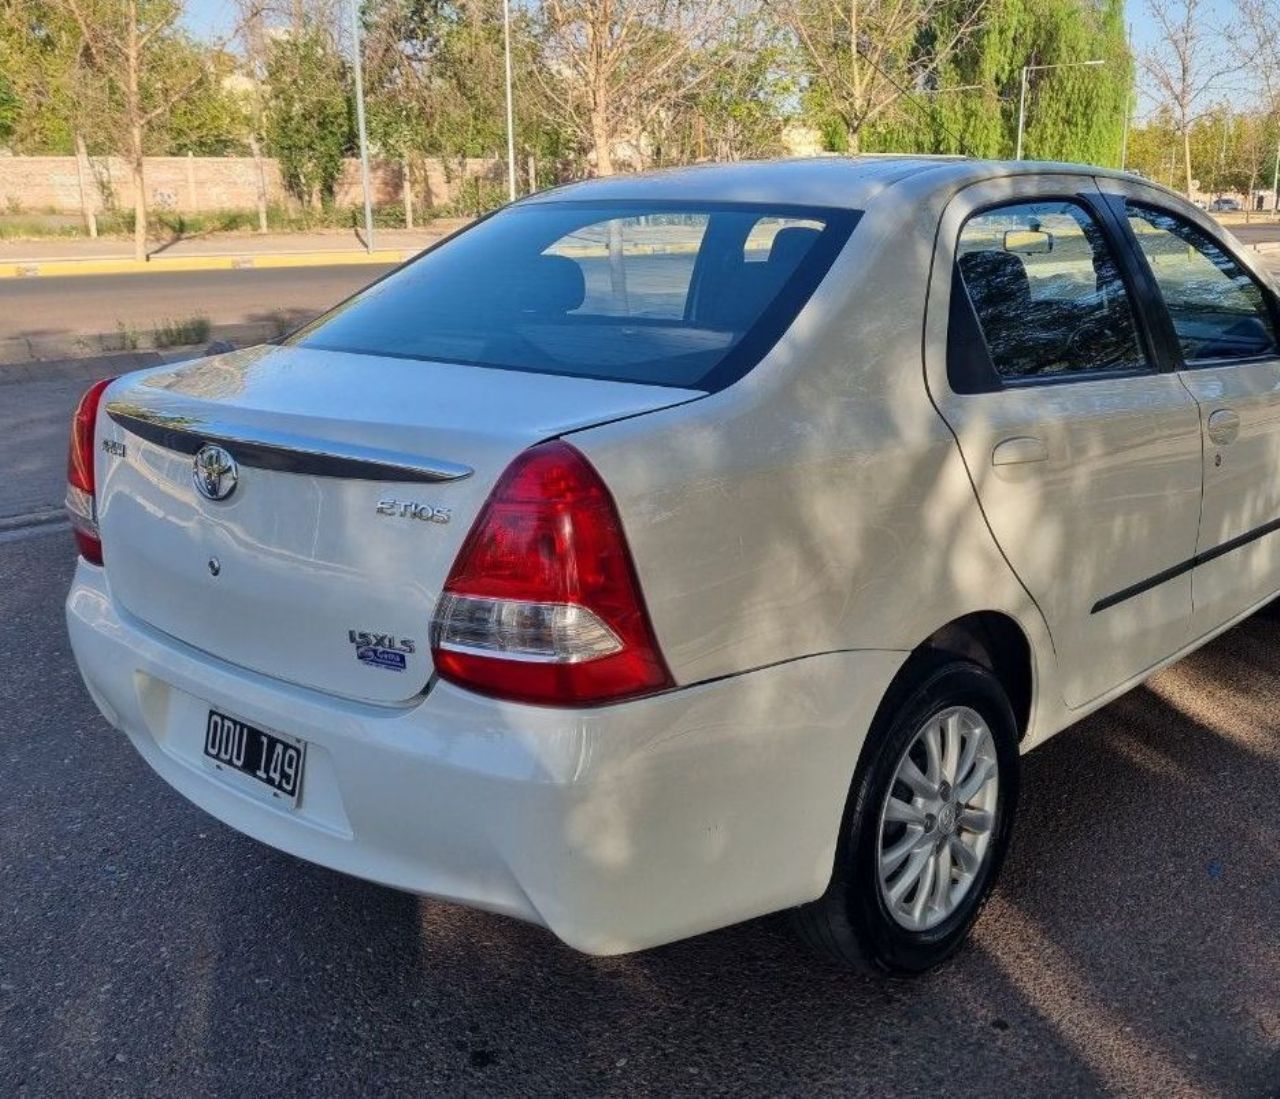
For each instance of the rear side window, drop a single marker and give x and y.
(1046, 293)
(1218, 310)
(688, 295)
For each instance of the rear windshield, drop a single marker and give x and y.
(688, 295)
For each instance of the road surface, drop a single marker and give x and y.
(147, 950)
(43, 307)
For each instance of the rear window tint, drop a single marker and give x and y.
(662, 294)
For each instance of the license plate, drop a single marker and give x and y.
(272, 760)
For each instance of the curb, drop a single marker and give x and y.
(30, 353)
(163, 265)
(43, 518)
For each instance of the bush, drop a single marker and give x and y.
(193, 330)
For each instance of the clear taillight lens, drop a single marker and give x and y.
(543, 604)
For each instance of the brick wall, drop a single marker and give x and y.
(205, 184)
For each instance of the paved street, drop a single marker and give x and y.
(46, 307)
(147, 950)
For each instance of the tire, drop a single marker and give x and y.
(857, 922)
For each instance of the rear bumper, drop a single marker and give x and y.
(618, 828)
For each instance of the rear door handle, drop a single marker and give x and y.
(1224, 426)
(1018, 451)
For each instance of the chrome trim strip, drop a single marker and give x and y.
(282, 452)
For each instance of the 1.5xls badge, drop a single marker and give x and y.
(381, 650)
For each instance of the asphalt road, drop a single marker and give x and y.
(147, 950)
(43, 307)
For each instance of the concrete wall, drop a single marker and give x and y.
(205, 184)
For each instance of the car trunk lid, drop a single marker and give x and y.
(356, 481)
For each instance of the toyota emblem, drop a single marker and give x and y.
(215, 473)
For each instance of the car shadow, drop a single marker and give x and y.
(1130, 947)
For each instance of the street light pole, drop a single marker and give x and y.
(360, 128)
(1022, 111)
(511, 114)
(1022, 98)
(1124, 135)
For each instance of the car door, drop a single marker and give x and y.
(1084, 453)
(1222, 330)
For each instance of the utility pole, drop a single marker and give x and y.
(511, 113)
(1124, 134)
(1275, 182)
(1222, 152)
(360, 128)
(1128, 109)
(1022, 111)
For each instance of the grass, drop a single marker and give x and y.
(129, 339)
(181, 333)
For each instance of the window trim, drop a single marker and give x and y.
(1178, 360)
(967, 383)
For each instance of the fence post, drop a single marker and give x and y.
(406, 186)
(191, 183)
(86, 202)
(262, 182)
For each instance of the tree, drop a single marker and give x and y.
(308, 113)
(1260, 48)
(126, 81)
(611, 67)
(1185, 67)
(9, 108)
(209, 119)
(740, 110)
(38, 51)
(435, 76)
(862, 57)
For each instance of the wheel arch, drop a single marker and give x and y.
(992, 639)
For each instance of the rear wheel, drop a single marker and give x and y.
(926, 826)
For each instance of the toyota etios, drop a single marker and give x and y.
(666, 550)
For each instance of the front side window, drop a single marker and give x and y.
(1217, 309)
(1047, 292)
(662, 294)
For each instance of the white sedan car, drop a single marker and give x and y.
(667, 550)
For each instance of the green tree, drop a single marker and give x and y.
(39, 51)
(10, 107)
(866, 62)
(308, 113)
(967, 101)
(125, 84)
(211, 119)
(741, 109)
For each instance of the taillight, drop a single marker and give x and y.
(81, 502)
(543, 604)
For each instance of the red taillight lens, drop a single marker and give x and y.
(81, 504)
(543, 604)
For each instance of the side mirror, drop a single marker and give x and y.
(1028, 242)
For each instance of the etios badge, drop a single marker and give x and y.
(214, 473)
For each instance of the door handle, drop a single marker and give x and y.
(1224, 426)
(1019, 451)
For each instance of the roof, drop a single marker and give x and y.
(833, 181)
